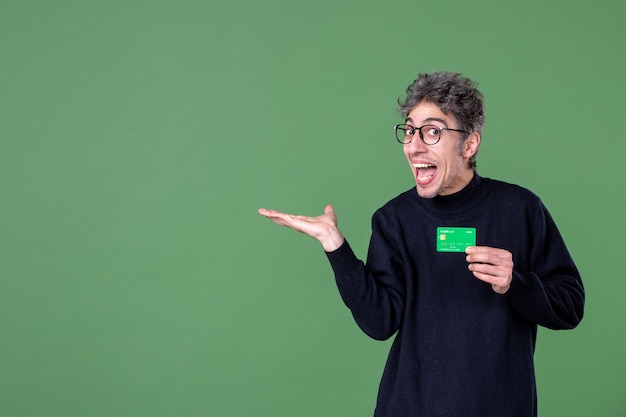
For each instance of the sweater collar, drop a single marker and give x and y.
(459, 201)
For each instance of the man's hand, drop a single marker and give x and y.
(492, 265)
(323, 228)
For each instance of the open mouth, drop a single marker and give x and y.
(424, 172)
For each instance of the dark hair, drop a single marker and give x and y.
(454, 94)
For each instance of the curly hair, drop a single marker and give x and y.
(454, 94)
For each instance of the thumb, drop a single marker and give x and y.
(329, 209)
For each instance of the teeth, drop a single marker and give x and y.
(423, 165)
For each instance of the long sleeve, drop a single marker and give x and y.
(551, 292)
(374, 294)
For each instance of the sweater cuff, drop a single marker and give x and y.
(343, 260)
(521, 288)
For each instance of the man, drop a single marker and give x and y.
(462, 271)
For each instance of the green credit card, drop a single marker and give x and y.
(455, 239)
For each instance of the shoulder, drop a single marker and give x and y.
(395, 210)
(513, 193)
(401, 202)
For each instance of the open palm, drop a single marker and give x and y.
(323, 227)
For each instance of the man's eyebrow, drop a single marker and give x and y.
(430, 120)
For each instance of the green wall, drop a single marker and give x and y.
(138, 139)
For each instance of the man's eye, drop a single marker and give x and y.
(409, 131)
(432, 131)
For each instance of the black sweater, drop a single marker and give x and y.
(460, 349)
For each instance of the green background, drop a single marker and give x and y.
(138, 139)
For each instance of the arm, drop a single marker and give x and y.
(373, 294)
(550, 293)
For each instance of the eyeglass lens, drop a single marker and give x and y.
(430, 134)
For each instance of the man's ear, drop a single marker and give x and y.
(471, 145)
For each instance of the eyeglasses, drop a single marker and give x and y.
(429, 134)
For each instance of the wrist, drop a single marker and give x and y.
(333, 241)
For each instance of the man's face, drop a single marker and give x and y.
(442, 168)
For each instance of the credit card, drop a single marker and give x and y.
(455, 239)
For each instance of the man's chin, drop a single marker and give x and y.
(427, 191)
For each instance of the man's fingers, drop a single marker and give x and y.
(487, 270)
(268, 213)
(491, 265)
(488, 255)
(305, 224)
(277, 217)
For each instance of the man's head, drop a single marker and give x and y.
(455, 95)
(441, 156)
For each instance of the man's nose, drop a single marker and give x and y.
(416, 145)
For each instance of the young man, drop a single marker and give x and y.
(462, 271)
